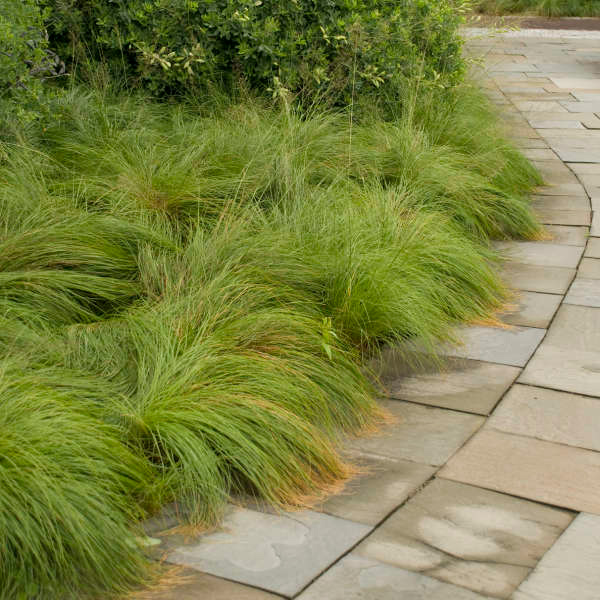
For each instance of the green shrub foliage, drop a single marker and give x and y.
(313, 47)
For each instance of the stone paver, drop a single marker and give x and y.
(422, 434)
(559, 203)
(593, 248)
(466, 385)
(584, 292)
(549, 415)
(569, 357)
(542, 255)
(571, 236)
(358, 578)
(279, 553)
(589, 268)
(557, 216)
(475, 538)
(532, 309)
(513, 346)
(370, 497)
(569, 571)
(530, 468)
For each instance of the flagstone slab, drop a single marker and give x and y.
(512, 346)
(593, 248)
(571, 83)
(578, 202)
(563, 189)
(192, 585)
(421, 434)
(539, 124)
(522, 466)
(569, 357)
(579, 155)
(543, 255)
(467, 385)
(585, 168)
(385, 485)
(569, 235)
(584, 292)
(593, 107)
(539, 154)
(549, 415)
(589, 268)
(553, 216)
(595, 228)
(478, 539)
(531, 278)
(533, 309)
(569, 570)
(359, 578)
(280, 553)
(540, 106)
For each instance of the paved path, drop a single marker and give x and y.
(489, 485)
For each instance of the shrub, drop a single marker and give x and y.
(313, 47)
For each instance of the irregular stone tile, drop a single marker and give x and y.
(384, 486)
(569, 357)
(569, 570)
(593, 248)
(513, 346)
(569, 235)
(192, 585)
(358, 578)
(466, 385)
(579, 202)
(281, 553)
(531, 278)
(589, 268)
(551, 216)
(533, 309)
(584, 292)
(524, 466)
(549, 415)
(543, 255)
(421, 434)
(478, 539)
(571, 83)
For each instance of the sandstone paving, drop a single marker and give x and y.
(280, 553)
(359, 578)
(595, 228)
(553, 216)
(549, 415)
(471, 537)
(461, 384)
(569, 570)
(508, 346)
(422, 434)
(532, 309)
(559, 202)
(569, 357)
(569, 235)
(584, 292)
(593, 248)
(589, 268)
(544, 255)
(576, 83)
(384, 484)
(527, 467)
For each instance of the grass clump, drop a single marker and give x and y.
(546, 8)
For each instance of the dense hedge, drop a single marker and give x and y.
(322, 47)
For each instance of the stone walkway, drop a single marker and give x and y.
(489, 485)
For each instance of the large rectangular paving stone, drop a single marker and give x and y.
(464, 535)
(359, 578)
(512, 346)
(569, 570)
(589, 268)
(549, 415)
(569, 235)
(281, 553)
(569, 357)
(571, 83)
(532, 309)
(530, 468)
(579, 155)
(467, 385)
(593, 248)
(560, 203)
(584, 292)
(542, 255)
(383, 486)
(557, 216)
(421, 434)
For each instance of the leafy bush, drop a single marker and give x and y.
(313, 47)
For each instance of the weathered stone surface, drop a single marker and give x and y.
(569, 570)
(590, 155)
(584, 292)
(582, 106)
(543, 255)
(571, 83)
(281, 553)
(540, 106)
(478, 539)
(192, 585)
(593, 248)
(589, 268)
(422, 434)
(554, 216)
(595, 228)
(513, 346)
(530, 468)
(358, 578)
(569, 357)
(467, 385)
(533, 309)
(571, 236)
(549, 415)
(537, 124)
(539, 154)
(385, 485)
(560, 203)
